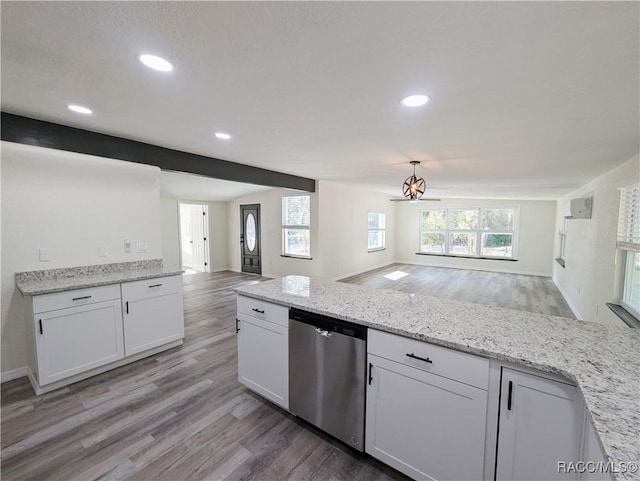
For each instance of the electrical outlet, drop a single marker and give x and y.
(142, 247)
(45, 254)
(103, 251)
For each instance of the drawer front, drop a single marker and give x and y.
(456, 365)
(263, 310)
(158, 286)
(78, 297)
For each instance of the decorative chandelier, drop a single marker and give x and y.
(413, 186)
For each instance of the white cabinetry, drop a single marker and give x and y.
(540, 424)
(153, 313)
(426, 408)
(263, 349)
(71, 340)
(592, 453)
(79, 333)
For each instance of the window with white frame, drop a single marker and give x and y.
(478, 232)
(376, 231)
(629, 243)
(296, 226)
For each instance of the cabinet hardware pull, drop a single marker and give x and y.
(80, 298)
(127, 306)
(237, 328)
(425, 359)
(509, 398)
(257, 310)
(155, 285)
(370, 376)
(40, 322)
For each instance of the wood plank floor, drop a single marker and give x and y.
(513, 291)
(183, 415)
(179, 415)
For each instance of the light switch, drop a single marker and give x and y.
(45, 254)
(127, 245)
(142, 247)
(103, 251)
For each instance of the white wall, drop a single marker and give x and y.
(217, 233)
(535, 236)
(170, 218)
(69, 203)
(592, 268)
(338, 231)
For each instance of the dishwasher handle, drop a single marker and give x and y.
(323, 332)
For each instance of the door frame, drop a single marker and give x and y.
(257, 268)
(205, 208)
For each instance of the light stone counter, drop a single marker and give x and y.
(603, 361)
(34, 283)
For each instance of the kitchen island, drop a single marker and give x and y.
(602, 361)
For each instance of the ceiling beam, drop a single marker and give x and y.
(25, 130)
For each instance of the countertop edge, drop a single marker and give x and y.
(124, 278)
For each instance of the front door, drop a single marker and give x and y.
(250, 239)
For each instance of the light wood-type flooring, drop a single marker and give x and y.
(183, 415)
(513, 291)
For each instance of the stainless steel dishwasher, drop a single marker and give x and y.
(327, 371)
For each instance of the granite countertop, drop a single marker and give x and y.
(35, 283)
(603, 361)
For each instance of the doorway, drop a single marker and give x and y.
(250, 239)
(194, 235)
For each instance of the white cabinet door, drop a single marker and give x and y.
(263, 358)
(153, 313)
(74, 340)
(592, 454)
(540, 425)
(425, 425)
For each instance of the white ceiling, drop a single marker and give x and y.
(176, 185)
(528, 99)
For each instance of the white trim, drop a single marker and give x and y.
(468, 268)
(355, 273)
(14, 374)
(567, 299)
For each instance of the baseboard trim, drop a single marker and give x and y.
(14, 374)
(355, 273)
(566, 298)
(467, 268)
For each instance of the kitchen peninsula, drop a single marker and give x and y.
(603, 362)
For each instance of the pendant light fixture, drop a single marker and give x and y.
(413, 186)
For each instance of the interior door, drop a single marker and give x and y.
(193, 220)
(250, 238)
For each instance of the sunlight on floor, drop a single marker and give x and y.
(394, 276)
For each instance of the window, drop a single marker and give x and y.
(296, 224)
(375, 236)
(562, 255)
(485, 232)
(629, 243)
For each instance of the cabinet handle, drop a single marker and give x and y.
(257, 310)
(370, 376)
(510, 395)
(237, 325)
(40, 322)
(155, 285)
(127, 306)
(80, 298)
(425, 359)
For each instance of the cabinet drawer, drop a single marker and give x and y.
(263, 310)
(154, 287)
(459, 366)
(78, 297)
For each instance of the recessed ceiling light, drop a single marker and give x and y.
(80, 109)
(414, 100)
(156, 63)
(222, 135)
